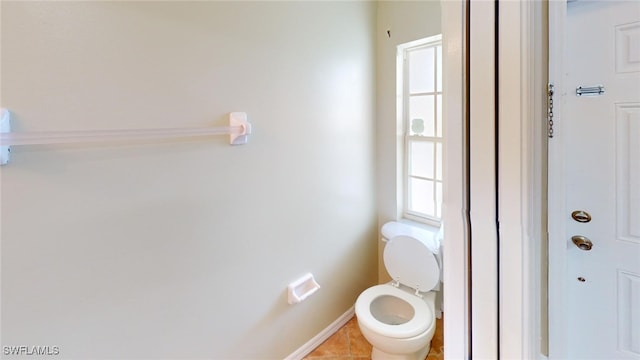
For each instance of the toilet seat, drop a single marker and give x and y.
(421, 321)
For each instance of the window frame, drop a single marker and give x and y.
(404, 98)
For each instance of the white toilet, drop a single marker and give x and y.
(398, 318)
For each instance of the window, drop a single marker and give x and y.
(420, 87)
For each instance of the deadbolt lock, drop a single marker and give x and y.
(581, 216)
(582, 242)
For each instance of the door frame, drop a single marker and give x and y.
(483, 209)
(457, 336)
(557, 206)
(522, 168)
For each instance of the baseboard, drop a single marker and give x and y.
(310, 345)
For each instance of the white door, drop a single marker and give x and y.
(602, 179)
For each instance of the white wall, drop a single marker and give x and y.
(183, 249)
(406, 21)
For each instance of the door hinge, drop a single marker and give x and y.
(550, 110)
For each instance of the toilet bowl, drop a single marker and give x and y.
(398, 318)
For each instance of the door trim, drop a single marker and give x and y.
(482, 180)
(556, 206)
(457, 320)
(522, 146)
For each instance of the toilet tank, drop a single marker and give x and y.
(430, 238)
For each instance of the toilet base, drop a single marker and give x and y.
(377, 354)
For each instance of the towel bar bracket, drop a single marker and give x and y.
(239, 119)
(5, 127)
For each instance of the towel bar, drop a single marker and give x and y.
(238, 130)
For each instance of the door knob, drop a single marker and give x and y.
(582, 242)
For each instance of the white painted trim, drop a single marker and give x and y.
(557, 207)
(520, 178)
(454, 210)
(512, 178)
(484, 239)
(535, 341)
(326, 333)
(431, 40)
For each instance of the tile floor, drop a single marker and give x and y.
(349, 344)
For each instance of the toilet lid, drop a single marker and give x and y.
(410, 261)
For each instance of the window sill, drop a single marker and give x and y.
(431, 228)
